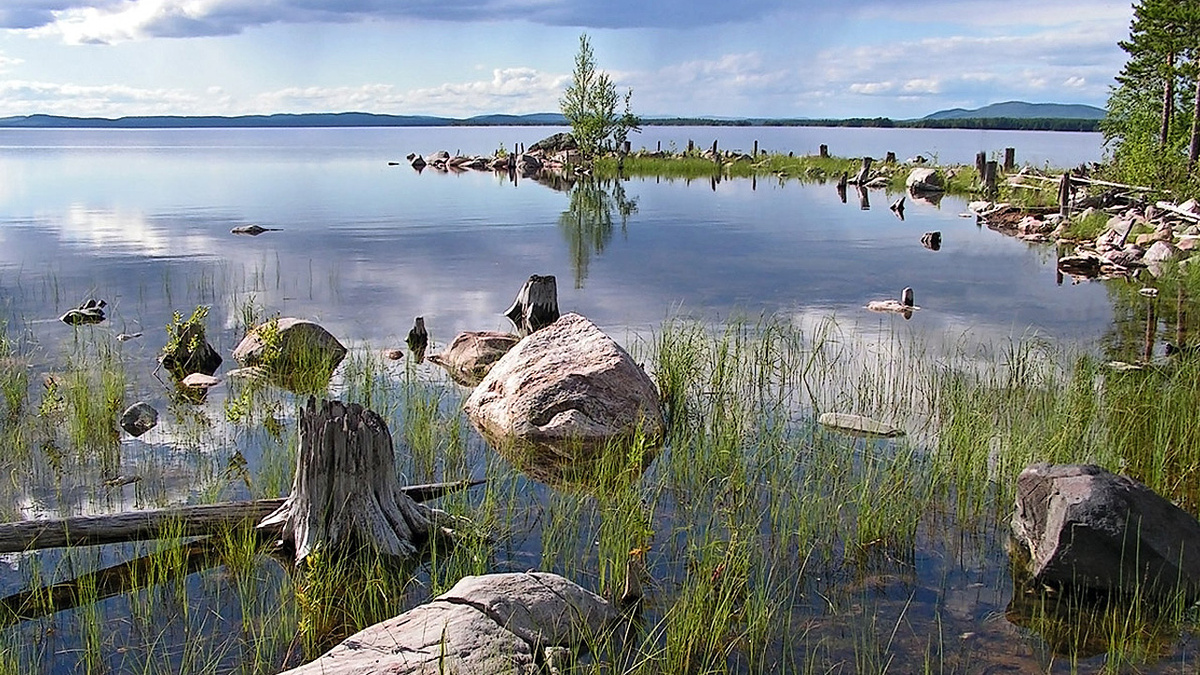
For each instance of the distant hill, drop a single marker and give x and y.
(1011, 115)
(1020, 110)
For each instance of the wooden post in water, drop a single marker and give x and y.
(345, 496)
(714, 148)
(824, 151)
(980, 164)
(1151, 324)
(1010, 159)
(891, 158)
(989, 177)
(864, 171)
(1065, 192)
(691, 146)
(755, 155)
(659, 148)
(536, 304)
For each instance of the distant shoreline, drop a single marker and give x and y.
(348, 120)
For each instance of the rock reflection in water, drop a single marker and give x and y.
(1081, 625)
(576, 465)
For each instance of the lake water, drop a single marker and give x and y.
(364, 247)
(143, 218)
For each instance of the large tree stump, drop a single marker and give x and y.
(345, 495)
(536, 304)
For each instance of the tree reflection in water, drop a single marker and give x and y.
(587, 224)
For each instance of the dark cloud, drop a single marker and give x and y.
(177, 18)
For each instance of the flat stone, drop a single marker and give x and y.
(857, 424)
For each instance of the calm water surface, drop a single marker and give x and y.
(143, 219)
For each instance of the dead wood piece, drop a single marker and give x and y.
(345, 495)
(186, 521)
(536, 304)
(1168, 206)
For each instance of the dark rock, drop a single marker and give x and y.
(1084, 527)
(90, 312)
(557, 143)
(252, 230)
(139, 418)
(191, 353)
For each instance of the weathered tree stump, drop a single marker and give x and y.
(824, 151)
(1010, 159)
(864, 172)
(980, 164)
(345, 495)
(536, 304)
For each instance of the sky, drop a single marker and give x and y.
(458, 58)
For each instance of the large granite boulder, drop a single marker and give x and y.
(566, 382)
(497, 623)
(473, 353)
(1084, 527)
(291, 351)
(922, 180)
(555, 143)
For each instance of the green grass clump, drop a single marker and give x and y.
(1086, 226)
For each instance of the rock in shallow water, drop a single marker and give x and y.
(567, 382)
(139, 418)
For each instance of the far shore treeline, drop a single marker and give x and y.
(540, 119)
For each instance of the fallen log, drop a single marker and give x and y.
(108, 582)
(1168, 206)
(183, 521)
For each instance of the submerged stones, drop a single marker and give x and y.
(858, 425)
(139, 418)
(1083, 527)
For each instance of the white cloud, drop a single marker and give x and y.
(19, 97)
(872, 88)
(510, 90)
(7, 62)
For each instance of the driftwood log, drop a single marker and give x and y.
(181, 521)
(345, 495)
(536, 304)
